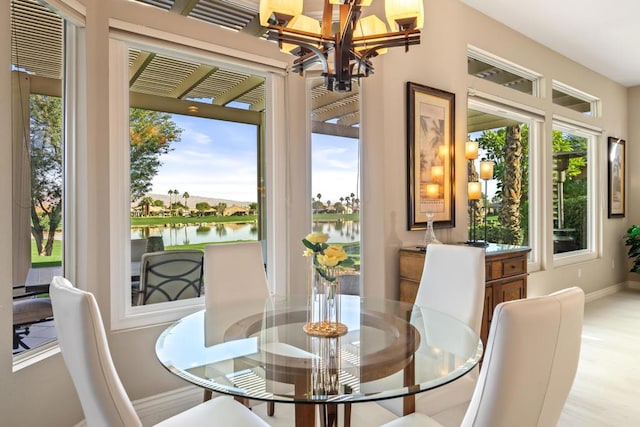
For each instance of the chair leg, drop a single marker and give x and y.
(347, 415)
(207, 395)
(271, 408)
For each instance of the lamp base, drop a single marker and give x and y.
(477, 243)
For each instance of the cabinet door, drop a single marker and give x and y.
(509, 291)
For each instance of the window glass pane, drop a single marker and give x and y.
(498, 75)
(502, 213)
(194, 165)
(39, 169)
(570, 192)
(574, 99)
(335, 174)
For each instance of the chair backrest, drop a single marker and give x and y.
(85, 351)
(170, 275)
(530, 363)
(138, 248)
(453, 282)
(233, 272)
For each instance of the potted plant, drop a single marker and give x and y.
(633, 241)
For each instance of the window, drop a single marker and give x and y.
(573, 190)
(335, 173)
(40, 153)
(574, 99)
(194, 157)
(505, 137)
(487, 66)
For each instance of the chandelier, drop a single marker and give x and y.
(352, 40)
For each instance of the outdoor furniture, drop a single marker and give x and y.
(26, 312)
(170, 275)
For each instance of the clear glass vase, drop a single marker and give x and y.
(324, 303)
(429, 235)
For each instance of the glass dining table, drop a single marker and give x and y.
(257, 349)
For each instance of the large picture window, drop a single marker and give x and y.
(194, 144)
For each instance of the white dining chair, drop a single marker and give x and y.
(234, 273)
(452, 282)
(529, 366)
(105, 403)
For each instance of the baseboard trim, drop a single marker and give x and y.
(601, 293)
(633, 284)
(154, 409)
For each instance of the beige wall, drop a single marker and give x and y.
(440, 61)
(633, 160)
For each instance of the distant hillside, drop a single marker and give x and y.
(192, 200)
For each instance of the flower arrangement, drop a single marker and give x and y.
(327, 259)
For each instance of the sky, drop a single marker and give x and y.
(218, 159)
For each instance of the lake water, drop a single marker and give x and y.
(339, 232)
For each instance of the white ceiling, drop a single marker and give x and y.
(601, 35)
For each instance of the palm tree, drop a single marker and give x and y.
(512, 184)
(170, 202)
(185, 196)
(145, 203)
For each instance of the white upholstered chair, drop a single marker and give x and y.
(233, 273)
(528, 368)
(105, 403)
(452, 282)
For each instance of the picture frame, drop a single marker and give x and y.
(616, 174)
(430, 156)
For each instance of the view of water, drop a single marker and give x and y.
(339, 231)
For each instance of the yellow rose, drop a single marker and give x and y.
(317, 237)
(307, 252)
(336, 252)
(327, 261)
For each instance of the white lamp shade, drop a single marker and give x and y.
(403, 9)
(369, 26)
(474, 190)
(486, 170)
(302, 23)
(471, 150)
(285, 7)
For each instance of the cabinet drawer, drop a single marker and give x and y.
(505, 268)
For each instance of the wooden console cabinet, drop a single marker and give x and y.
(505, 273)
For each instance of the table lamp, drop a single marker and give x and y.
(432, 192)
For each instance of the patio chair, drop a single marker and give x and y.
(27, 312)
(85, 350)
(170, 275)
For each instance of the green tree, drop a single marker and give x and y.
(46, 170)
(202, 207)
(253, 208)
(220, 208)
(151, 134)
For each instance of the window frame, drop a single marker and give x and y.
(123, 314)
(536, 124)
(594, 215)
(594, 102)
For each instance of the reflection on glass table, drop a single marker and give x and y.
(258, 350)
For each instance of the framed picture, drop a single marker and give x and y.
(430, 144)
(616, 177)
